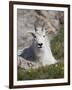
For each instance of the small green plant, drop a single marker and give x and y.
(47, 72)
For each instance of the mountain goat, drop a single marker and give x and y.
(40, 50)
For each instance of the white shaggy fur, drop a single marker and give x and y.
(40, 50)
(43, 54)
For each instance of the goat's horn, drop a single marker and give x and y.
(35, 27)
(43, 26)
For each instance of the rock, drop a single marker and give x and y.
(21, 62)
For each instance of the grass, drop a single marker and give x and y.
(49, 71)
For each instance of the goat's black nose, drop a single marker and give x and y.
(40, 44)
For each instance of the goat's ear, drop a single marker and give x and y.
(33, 34)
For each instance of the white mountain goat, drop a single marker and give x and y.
(40, 50)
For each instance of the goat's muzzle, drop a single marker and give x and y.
(40, 45)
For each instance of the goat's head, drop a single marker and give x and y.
(39, 37)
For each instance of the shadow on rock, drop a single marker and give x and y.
(28, 54)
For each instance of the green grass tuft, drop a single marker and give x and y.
(47, 72)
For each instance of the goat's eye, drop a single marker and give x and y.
(34, 36)
(43, 35)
